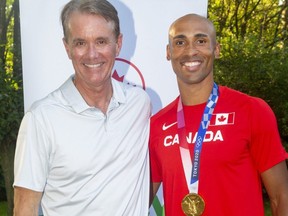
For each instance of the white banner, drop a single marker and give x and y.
(144, 25)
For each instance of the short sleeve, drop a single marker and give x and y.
(266, 147)
(31, 157)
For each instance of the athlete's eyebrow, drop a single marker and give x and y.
(198, 35)
(179, 37)
(201, 35)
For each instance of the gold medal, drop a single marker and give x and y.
(193, 204)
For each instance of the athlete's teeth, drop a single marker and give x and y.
(191, 64)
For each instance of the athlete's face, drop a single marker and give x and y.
(192, 49)
(92, 46)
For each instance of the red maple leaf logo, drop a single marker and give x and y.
(221, 119)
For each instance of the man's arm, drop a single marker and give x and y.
(26, 202)
(275, 181)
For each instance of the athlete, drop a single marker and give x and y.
(213, 147)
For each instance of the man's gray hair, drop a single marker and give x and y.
(95, 7)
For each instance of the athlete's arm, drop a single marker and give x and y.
(155, 187)
(26, 202)
(275, 181)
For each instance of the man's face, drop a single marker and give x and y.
(92, 46)
(192, 49)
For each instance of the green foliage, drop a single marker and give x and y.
(263, 75)
(11, 107)
(11, 95)
(253, 37)
(262, 19)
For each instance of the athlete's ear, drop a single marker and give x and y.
(217, 50)
(168, 53)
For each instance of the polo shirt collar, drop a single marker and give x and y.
(76, 101)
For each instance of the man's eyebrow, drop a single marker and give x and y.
(75, 40)
(102, 38)
(179, 37)
(198, 35)
(201, 35)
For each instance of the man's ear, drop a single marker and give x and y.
(67, 48)
(168, 57)
(217, 50)
(119, 44)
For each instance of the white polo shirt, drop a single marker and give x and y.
(86, 162)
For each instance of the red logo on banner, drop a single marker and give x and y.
(125, 71)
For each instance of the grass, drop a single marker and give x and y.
(3, 209)
(266, 206)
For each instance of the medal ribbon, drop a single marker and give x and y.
(191, 168)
